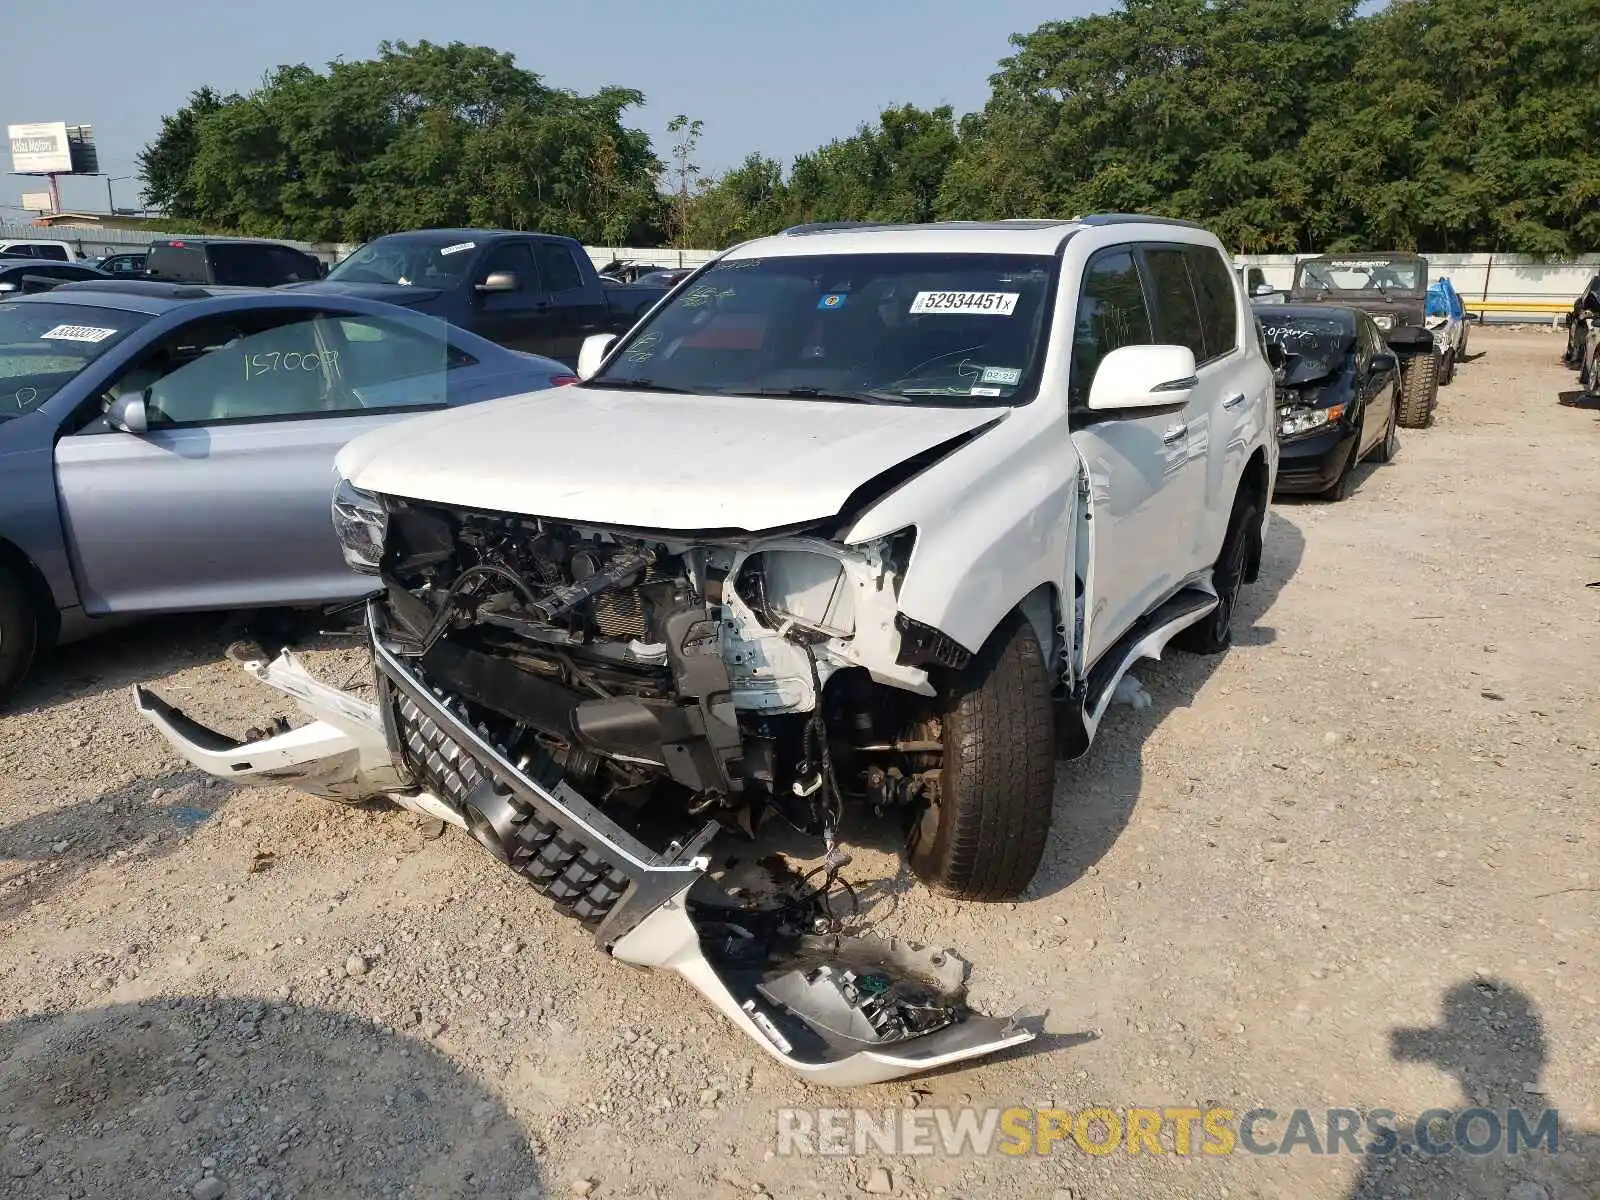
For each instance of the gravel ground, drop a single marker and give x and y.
(1351, 863)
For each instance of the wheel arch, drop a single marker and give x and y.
(1256, 484)
(37, 590)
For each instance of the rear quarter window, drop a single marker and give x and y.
(1218, 303)
(181, 264)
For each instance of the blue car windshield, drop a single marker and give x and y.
(44, 345)
(930, 328)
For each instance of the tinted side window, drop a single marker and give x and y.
(290, 266)
(243, 266)
(555, 264)
(1111, 314)
(377, 352)
(54, 253)
(1177, 315)
(1219, 306)
(18, 252)
(182, 264)
(513, 257)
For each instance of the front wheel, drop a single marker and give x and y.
(19, 632)
(1385, 450)
(983, 836)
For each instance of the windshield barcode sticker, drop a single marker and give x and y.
(77, 333)
(457, 248)
(987, 304)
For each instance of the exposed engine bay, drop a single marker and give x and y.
(676, 682)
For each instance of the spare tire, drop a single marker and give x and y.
(1419, 387)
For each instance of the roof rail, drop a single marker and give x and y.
(829, 226)
(1134, 219)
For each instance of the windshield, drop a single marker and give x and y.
(1318, 344)
(42, 346)
(889, 328)
(412, 262)
(1375, 274)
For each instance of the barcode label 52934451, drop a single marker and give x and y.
(988, 304)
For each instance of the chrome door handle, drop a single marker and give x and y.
(1174, 434)
(1234, 401)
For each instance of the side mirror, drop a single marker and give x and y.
(1143, 377)
(499, 281)
(130, 413)
(1384, 362)
(593, 352)
(1263, 289)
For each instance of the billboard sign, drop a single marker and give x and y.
(40, 149)
(36, 202)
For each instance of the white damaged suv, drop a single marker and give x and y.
(860, 514)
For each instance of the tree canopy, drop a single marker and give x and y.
(1438, 125)
(422, 135)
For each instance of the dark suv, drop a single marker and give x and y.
(240, 262)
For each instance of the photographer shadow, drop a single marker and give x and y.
(1491, 1040)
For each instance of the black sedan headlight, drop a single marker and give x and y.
(1299, 414)
(361, 523)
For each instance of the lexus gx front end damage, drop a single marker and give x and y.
(593, 705)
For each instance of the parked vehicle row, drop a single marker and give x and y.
(863, 515)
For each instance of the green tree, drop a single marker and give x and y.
(165, 164)
(421, 135)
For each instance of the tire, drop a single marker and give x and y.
(1215, 634)
(1385, 450)
(1447, 368)
(985, 836)
(19, 633)
(1461, 350)
(1419, 384)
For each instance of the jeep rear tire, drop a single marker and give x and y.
(19, 632)
(984, 837)
(1419, 385)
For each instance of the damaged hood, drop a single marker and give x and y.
(651, 460)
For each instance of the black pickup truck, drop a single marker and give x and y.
(529, 291)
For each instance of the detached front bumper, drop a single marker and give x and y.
(837, 1010)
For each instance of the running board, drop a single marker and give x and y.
(1147, 638)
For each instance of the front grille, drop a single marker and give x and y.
(433, 757)
(560, 862)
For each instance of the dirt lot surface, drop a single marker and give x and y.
(1352, 863)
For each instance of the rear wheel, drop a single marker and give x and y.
(19, 632)
(1215, 634)
(983, 837)
(1419, 385)
(1447, 368)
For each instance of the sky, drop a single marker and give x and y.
(778, 78)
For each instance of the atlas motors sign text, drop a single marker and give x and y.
(38, 149)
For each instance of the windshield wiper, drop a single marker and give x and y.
(635, 385)
(816, 393)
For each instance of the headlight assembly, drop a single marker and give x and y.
(1384, 320)
(361, 523)
(1292, 422)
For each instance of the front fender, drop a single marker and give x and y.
(995, 522)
